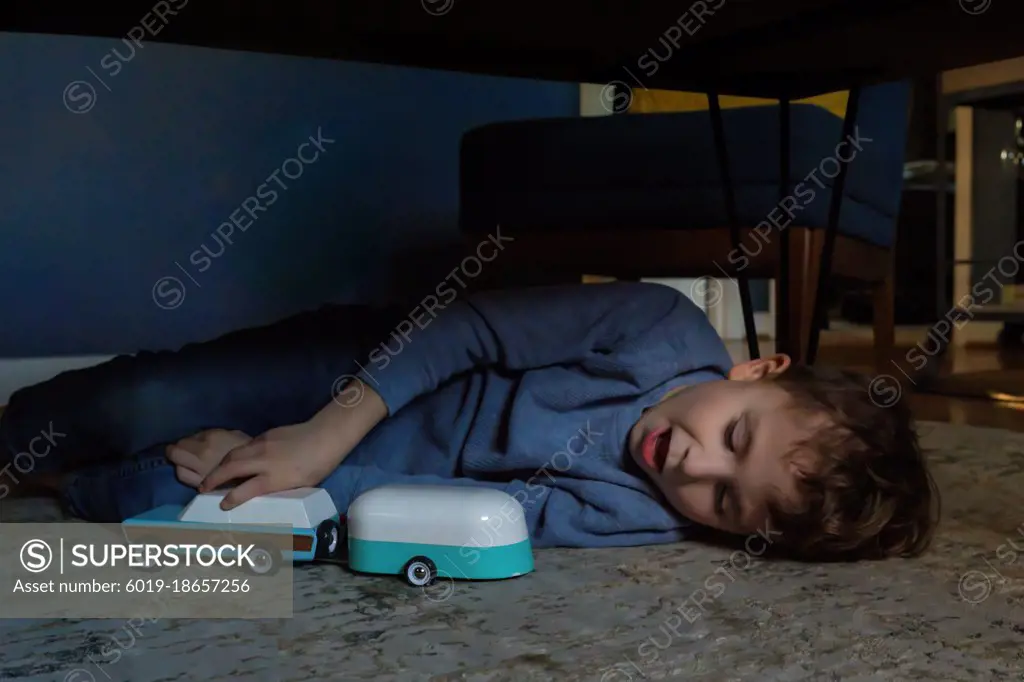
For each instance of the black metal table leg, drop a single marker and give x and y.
(783, 343)
(718, 127)
(832, 228)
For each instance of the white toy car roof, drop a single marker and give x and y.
(437, 514)
(299, 508)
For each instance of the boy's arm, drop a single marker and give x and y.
(632, 331)
(298, 455)
(342, 426)
(555, 517)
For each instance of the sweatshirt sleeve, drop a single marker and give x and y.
(636, 331)
(555, 517)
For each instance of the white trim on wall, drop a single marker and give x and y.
(731, 312)
(17, 373)
(720, 301)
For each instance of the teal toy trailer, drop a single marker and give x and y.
(424, 532)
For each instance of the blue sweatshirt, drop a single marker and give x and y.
(534, 392)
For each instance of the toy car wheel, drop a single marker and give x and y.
(328, 540)
(420, 571)
(265, 561)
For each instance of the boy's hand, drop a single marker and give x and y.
(196, 456)
(288, 457)
(300, 455)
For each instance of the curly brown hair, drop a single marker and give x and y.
(870, 494)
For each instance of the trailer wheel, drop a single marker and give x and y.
(419, 571)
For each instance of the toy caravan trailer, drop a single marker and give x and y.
(424, 532)
(297, 525)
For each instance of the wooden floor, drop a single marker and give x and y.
(853, 350)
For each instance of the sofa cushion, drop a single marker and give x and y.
(688, 208)
(661, 170)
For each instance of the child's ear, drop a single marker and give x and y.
(751, 370)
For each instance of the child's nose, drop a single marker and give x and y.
(703, 464)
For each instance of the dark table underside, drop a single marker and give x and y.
(754, 47)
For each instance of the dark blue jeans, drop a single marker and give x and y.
(110, 424)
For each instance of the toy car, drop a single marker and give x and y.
(298, 525)
(423, 532)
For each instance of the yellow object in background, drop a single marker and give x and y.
(661, 101)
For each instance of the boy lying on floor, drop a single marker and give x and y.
(611, 412)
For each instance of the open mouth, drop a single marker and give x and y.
(655, 448)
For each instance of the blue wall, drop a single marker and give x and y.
(97, 207)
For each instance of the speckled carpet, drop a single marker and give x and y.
(687, 611)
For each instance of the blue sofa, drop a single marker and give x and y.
(641, 195)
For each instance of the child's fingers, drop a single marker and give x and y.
(229, 470)
(183, 458)
(188, 476)
(245, 491)
(240, 462)
(253, 448)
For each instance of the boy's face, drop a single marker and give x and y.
(719, 451)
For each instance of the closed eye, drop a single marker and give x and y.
(737, 448)
(740, 444)
(730, 435)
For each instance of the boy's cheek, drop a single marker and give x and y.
(677, 497)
